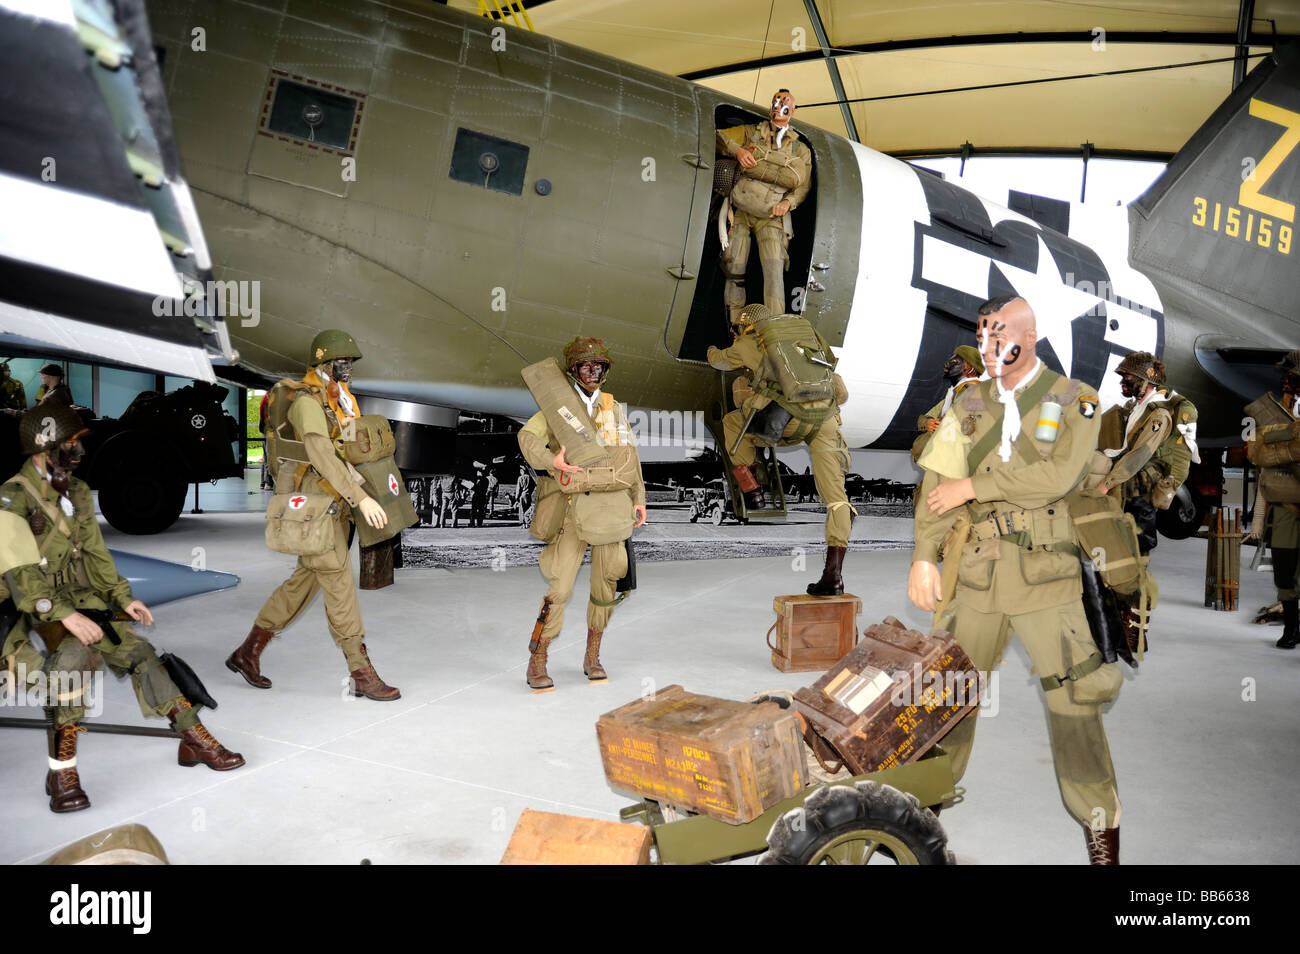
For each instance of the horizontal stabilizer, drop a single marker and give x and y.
(156, 581)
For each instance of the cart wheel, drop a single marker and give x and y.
(717, 517)
(867, 823)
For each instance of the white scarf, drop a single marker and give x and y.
(1011, 416)
(589, 401)
(780, 134)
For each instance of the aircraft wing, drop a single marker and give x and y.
(100, 246)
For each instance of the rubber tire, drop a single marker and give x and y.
(718, 516)
(137, 501)
(1184, 516)
(836, 813)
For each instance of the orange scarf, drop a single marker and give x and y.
(331, 390)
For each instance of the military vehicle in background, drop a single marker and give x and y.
(143, 463)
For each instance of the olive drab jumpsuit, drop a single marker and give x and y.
(77, 573)
(791, 164)
(562, 557)
(826, 446)
(1020, 572)
(317, 424)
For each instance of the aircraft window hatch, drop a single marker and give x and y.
(313, 115)
(483, 160)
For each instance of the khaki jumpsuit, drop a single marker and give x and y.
(791, 164)
(1019, 572)
(315, 424)
(829, 453)
(562, 557)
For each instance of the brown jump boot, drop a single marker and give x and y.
(1103, 846)
(244, 660)
(198, 745)
(831, 583)
(61, 782)
(754, 499)
(591, 666)
(366, 682)
(538, 680)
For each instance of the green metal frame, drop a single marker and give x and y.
(700, 839)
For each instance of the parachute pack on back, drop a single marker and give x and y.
(799, 357)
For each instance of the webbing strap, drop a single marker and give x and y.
(614, 602)
(51, 511)
(1031, 396)
(1075, 672)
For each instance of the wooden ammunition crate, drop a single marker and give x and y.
(544, 838)
(812, 633)
(891, 698)
(728, 760)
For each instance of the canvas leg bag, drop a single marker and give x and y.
(603, 518)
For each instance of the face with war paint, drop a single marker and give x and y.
(1006, 339)
(782, 108)
(591, 374)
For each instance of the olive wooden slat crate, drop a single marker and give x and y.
(545, 838)
(891, 698)
(812, 633)
(728, 760)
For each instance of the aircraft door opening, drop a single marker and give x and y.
(707, 323)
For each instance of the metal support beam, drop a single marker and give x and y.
(832, 68)
(1245, 14)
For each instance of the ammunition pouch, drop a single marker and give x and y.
(1163, 495)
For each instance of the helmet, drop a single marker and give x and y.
(1291, 362)
(1143, 365)
(46, 426)
(585, 349)
(328, 345)
(54, 370)
(746, 317)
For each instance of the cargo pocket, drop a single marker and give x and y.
(977, 559)
(1100, 685)
(1047, 566)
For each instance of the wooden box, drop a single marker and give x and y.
(728, 760)
(891, 698)
(544, 838)
(812, 633)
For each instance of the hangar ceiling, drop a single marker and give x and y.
(1131, 77)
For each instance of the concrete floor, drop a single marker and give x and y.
(1206, 768)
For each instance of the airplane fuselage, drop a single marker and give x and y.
(464, 198)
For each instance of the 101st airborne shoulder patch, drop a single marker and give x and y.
(1087, 406)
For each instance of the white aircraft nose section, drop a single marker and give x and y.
(888, 314)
